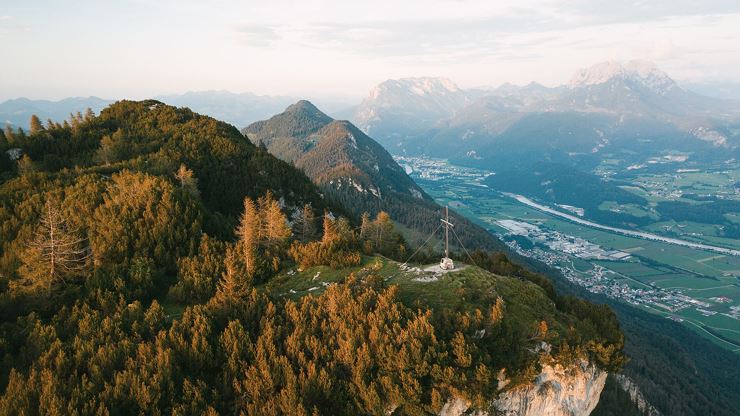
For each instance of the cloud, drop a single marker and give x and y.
(634, 11)
(257, 36)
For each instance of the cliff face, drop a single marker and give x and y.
(636, 395)
(557, 391)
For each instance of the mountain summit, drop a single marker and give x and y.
(353, 170)
(636, 71)
(333, 153)
(398, 107)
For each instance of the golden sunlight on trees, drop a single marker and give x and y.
(55, 253)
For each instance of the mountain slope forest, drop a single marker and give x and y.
(354, 171)
(149, 264)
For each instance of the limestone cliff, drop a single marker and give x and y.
(636, 395)
(557, 391)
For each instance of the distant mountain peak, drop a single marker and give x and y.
(643, 72)
(420, 86)
(303, 105)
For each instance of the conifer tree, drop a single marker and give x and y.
(187, 180)
(308, 225)
(248, 233)
(113, 148)
(231, 287)
(9, 135)
(36, 126)
(365, 225)
(330, 233)
(26, 165)
(383, 230)
(55, 252)
(275, 224)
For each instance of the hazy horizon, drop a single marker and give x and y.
(140, 48)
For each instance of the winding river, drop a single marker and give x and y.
(647, 236)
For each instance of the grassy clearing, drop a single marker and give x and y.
(464, 290)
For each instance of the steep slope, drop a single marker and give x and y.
(395, 111)
(353, 170)
(557, 385)
(331, 152)
(150, 136)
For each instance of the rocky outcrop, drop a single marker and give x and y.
(636, 395)
(557, 391)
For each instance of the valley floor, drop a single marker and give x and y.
(689, 282)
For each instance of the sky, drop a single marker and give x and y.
(341, 48)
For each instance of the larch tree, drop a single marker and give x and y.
(55, 252)
(187, 180)
(276, 229)
(330, 233)
(36, 126)
(384, 228)
(365, 225)
(248, 232)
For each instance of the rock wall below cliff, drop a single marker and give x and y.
(557, 391)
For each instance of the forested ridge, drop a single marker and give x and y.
(138, 251)
(354, 171)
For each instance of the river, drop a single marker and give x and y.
(639, 234)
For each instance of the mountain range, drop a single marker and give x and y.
(18, 111)
(631, 108)
(238, 109)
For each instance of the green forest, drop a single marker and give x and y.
(137, 251)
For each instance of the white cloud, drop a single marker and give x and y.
(140, 48)
(252, 35)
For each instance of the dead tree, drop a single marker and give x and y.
(56, 250)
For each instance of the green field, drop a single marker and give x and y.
(696, 273)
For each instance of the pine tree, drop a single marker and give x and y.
(89, 114)
(113, 148)
(232, 286)
(36, 126)
(248, 232)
